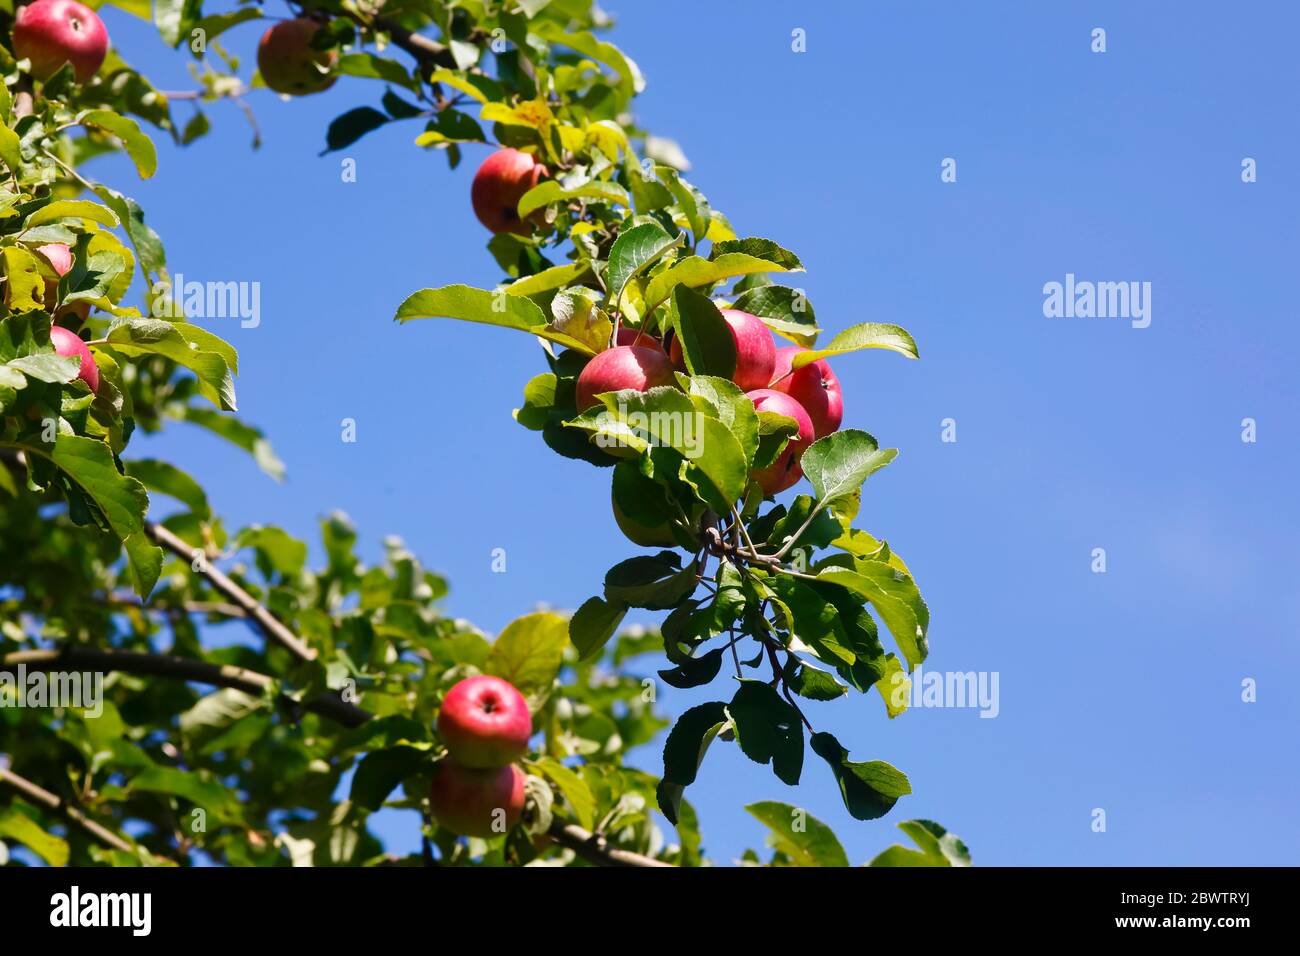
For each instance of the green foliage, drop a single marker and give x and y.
(249, 768)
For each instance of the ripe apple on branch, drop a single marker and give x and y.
(485, 724)
(51, 33)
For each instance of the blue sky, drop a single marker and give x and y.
(1119, 691)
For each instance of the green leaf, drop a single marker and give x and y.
(895, 597)
(690, 200)
(556, 277)
(346, 129)
(894, 687)
(684, 751)
(78, 209)
(10, 148)
(380, 771)
(450, 126)
(765, 249)
(218, 23)
(708, 345)
(816, 621)
(136, 337)
(24, 287)
(655, 582)
(938, 847)
(215, 713)
(46, 367)
(694, 271)
(479, 87)
(552, 191)
(137, 145)
(868, 335)
(634, 251)
(839, 463)
(812, 682)
(371, 67)
(490, 308)
(166, 478)
(277, 550)
(148, 245)
(528, 653)
(869, 790)
(539, 401)
(593, 624)
(122, 500)
(630, 81)
(195, 786)
(174, 18)
(784, 310)
(17, 826)
(799, 835)
(727, 403)
(768, 729)
(694, 671)
(574, 788)
(145, 559)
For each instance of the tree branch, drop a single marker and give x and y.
(593, 848)
(271, 625)
(178, 668)
(43, 798)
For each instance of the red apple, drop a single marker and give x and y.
(58, 255)
(814, 386)
(755, 350)
(59, 259)
(498, 186)
(51, 33)
(69, 344)
(288, 63)
(624, 366)
(630, 336)
(785, 471)
(478, 803)
(485, 722)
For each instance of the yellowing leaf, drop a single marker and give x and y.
(24, 287)
(535, 113)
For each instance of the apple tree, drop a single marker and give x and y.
(245, 705)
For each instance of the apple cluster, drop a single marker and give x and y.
(809, 395)
(477, 789)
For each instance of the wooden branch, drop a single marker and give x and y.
(270, 625)
(43, 798)
(427, 52)
(593, 848)
(177, 668)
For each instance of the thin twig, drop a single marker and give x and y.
(271, 626)
(43, 798)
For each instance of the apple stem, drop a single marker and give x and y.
(783, 378)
